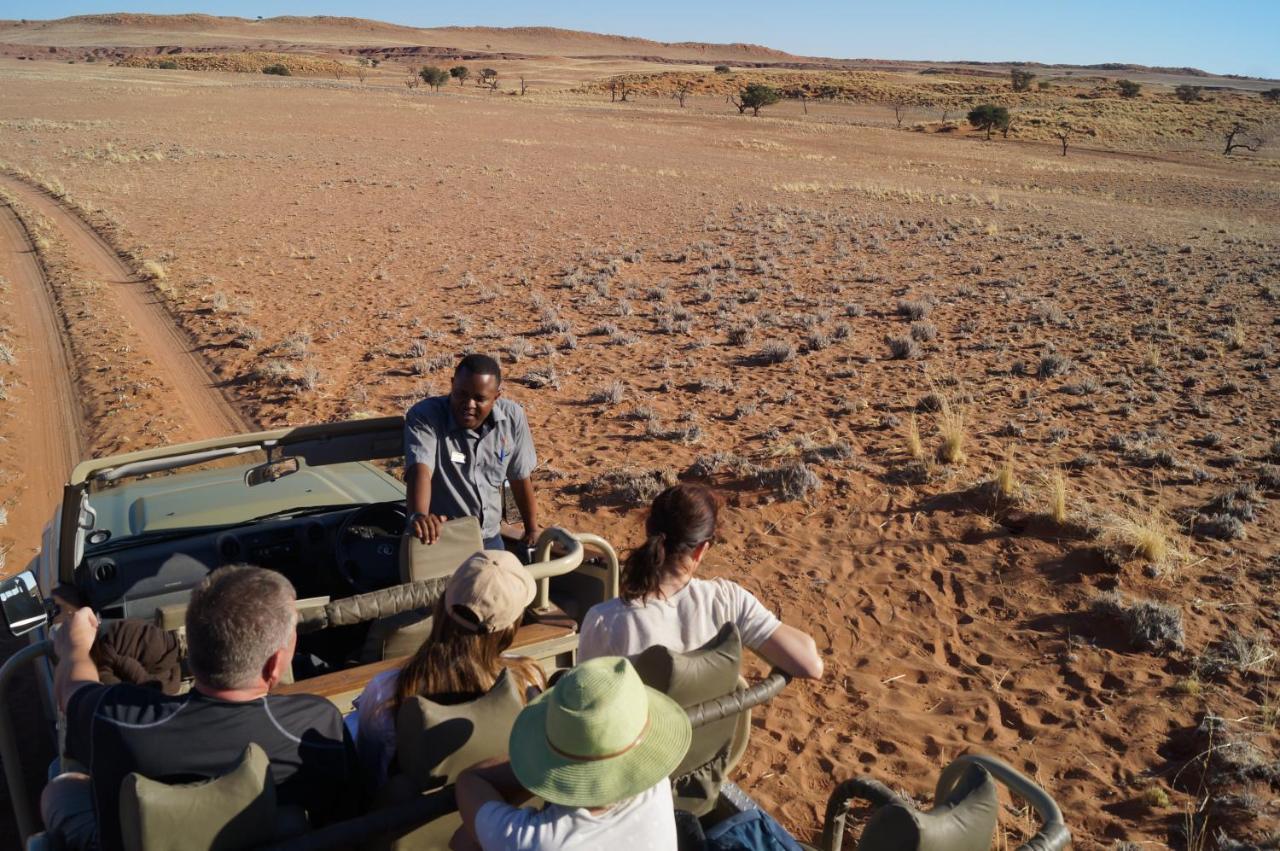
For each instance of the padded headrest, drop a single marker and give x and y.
(965, 821)
(690, 678)
(236, 810)
(459, 540)
(435, 742)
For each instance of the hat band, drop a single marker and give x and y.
(597, 757)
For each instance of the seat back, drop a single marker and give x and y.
(691, 678)
(964, 821)
(236, 810)
(435, 742)
(459, 540)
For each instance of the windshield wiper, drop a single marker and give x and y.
(301, 511)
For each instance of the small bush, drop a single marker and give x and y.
(1220, 527)
(989, 117)
(1150, 625)
(923, 331)
(722, 69)
(167, 65)
(774, 352)
(902, 348)
(1187, 93)
(791, 482)
(633, 488)
(1236, 652)
(1052, 364)
(914, 310)
(613, 394)
(1020, 79)
(278, 70)
(1128, 88)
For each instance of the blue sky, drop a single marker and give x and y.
(1224, 37)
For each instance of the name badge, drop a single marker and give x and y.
(457, 458)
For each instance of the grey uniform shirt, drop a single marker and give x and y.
(468, 466)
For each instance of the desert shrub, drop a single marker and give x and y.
(854, 310)
(632, 488)
(923, 331)
(739, 336)
(1236, 652)
(1238, 502)
(275, 371)
(7, 354)
(153, 271)
(1269, 477)
(167, 65)
(612, 394)
(1128, 88)
(989, 117)
(706, 466)
(569, 343)
(277, 69)
(1188, 93)
(722, 69)
(902, 348)
(1052, 364)
(1271, 95)
(790, 482)
(775, 351)
(1220, 527)
(1149, 625)
(310, 378)
(1020, 79)
(913, 309)
(817, 341)
(518, 348)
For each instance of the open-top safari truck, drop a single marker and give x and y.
(136, 533)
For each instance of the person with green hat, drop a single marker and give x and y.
(598, 747)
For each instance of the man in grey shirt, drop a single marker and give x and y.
(459, 448)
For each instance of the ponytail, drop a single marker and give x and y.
(681, 518)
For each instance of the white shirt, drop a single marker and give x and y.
(682, 622)
(375, 731)
(646, 822)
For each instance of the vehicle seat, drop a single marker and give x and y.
(435, 742)
(236, 810)
(403, 633)
(692, 678)
(964, 820)
(459, 540)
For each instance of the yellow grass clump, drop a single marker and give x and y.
(1142, 533)
(1056, 496)
(1005, 481)
(915, 448)
(153, 271)
(951, 428)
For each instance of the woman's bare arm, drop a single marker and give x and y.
(793, 652)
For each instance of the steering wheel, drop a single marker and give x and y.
(368, 547)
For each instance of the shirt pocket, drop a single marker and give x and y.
(491, 469)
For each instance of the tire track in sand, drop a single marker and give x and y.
(52, 440)
(197, 399)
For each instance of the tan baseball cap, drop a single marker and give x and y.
(489, 592)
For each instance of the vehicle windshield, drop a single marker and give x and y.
(226, 491)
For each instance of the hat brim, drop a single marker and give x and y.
(598, 783)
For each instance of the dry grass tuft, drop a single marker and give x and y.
(915, 448)
(951, 427)
(1056, 496)
(1006, 482)
(153, 271)
(1142, 533)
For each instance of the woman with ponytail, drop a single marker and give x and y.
(662, 602)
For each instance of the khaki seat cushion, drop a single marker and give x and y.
(236, 810)
(690, 678)
(459, 540)
(965, 821)
(435, 742)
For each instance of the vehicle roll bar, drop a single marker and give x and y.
(24, 812)
(719, 708)
(375, 604)
(544, 566)
(1053, 834)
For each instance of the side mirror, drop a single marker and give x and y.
(21, 604)
(270, 471)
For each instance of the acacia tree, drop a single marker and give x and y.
(488, 77)
(1020, 79)
(683, 89)
(434, 76)
(460, 73)
(898, 105)
(1128, 88)
(1064, 134)
(754, 97)
(1237, 130)
(990, 117)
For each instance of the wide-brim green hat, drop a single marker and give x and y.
(597, 737)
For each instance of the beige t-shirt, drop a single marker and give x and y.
(682, 622)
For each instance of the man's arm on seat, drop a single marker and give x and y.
(426, 526)
(72, 643)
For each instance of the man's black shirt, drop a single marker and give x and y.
(115, 730)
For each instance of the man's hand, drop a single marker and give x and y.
(76, 636)
(426, 527)
(531, 534)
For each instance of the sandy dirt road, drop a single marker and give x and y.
(53, 442)
(177, 363)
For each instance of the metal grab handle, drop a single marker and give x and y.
(719, 708)
(859, 788)
(1053, 834)
(611, 570)
(26, 815)
(544, 566)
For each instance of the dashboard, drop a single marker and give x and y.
(133, 581)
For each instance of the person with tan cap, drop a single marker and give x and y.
(598, 747)
(475, 620)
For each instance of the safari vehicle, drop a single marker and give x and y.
(136, 533)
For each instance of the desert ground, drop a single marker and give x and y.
(995, 424)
